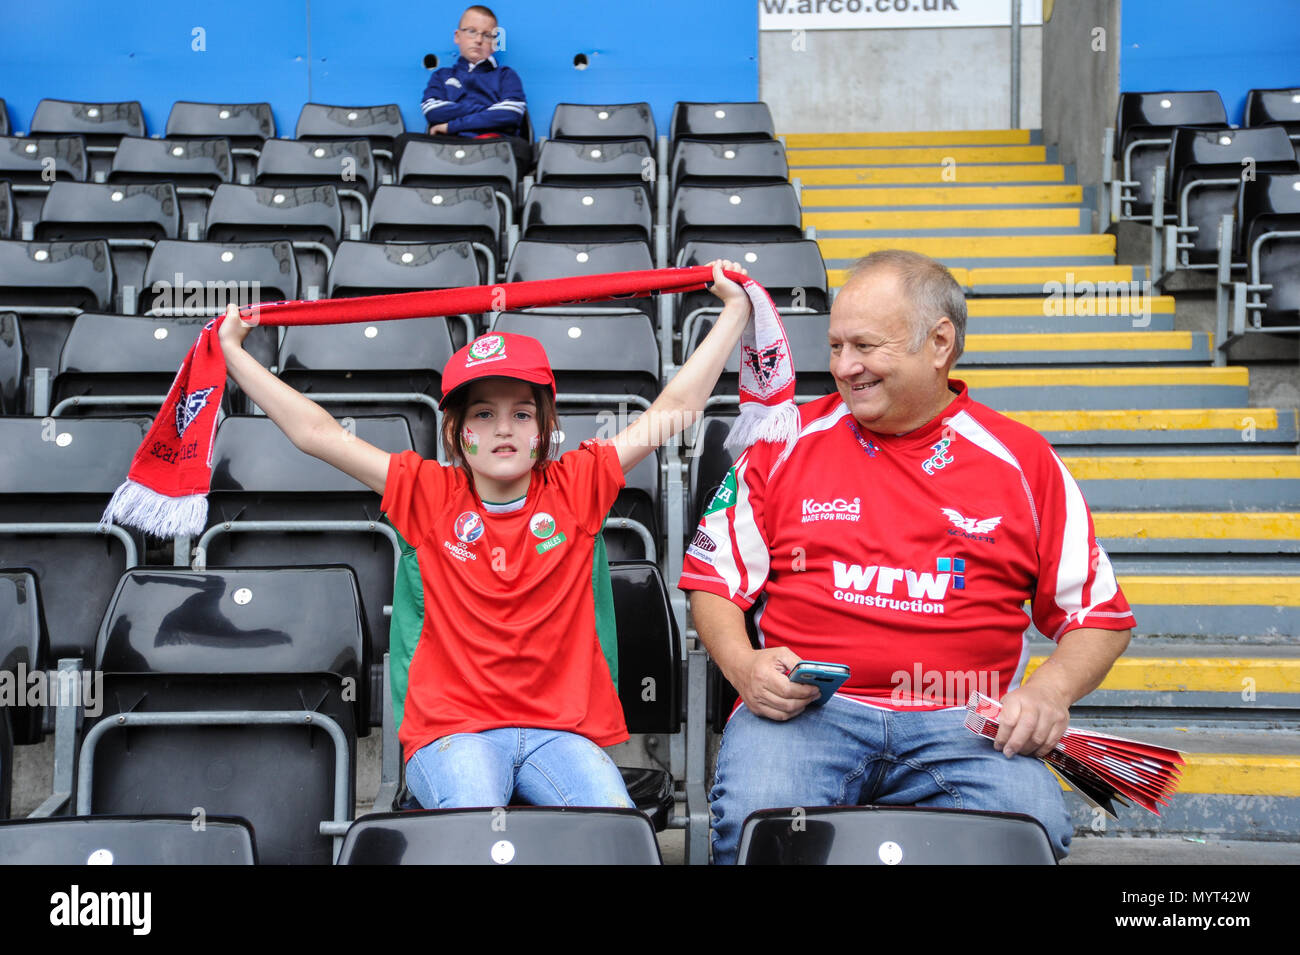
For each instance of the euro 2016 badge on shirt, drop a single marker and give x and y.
(469, 527)
(543, 526)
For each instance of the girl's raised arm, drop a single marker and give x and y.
(309, 426)
(682, 400)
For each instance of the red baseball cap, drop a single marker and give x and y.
(497, 355)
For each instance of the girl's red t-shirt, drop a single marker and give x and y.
(509, 636)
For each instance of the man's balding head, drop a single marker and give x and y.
(929, 288)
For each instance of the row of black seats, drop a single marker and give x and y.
(186, 663)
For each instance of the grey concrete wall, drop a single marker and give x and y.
(1081, 86)
(867, 80)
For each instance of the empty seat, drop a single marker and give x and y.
(1144, 123)
(102, 124)
(114, 364)
(532, 836)
(381, 125)
(4, 118)
(890, 835)
(600, 213)
(24, 650)
(13, 365)
(287, 644)
(735, 213)
(32, 165)
(603, 122)
(374, 268)
(549, 260)
(308, 217)
(48, 283)
(700, 163)
(721, 121)
(132, 218)
(258, 476)
(603, 361)
(348, 165)
(195, 166)
(380, 369)
(1268, 206)
(793, 273)
(7, 215)
(440, 214)
(62, 471)
(201, 278)
(596, 163)
(1206, 168)
(245, 125)
(473, 162)
(127, 840)
(1274, 106)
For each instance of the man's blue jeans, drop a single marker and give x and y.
(542, 767)
(850, 754)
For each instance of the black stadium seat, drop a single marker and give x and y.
(1205, 170)
(31, 165)
(308, 217)
(600, 213)
(5, 128)
(1144, 123)
(1267, 206)
(63, 471)
(1265, 107)
(745, 213)
(549, 260)
(381, 369)
(7, 214)
(127, 840)
(439, 214)
(603, 122)
(195, 166)
(13, 365)
(809, 353)
(700, 163)
(529, 835)
(102, 124)
(180, 651)
(376, 268)
(115, 364)
(244, 125)
(48, 283)
(628, 162)
(242, 272)
(721, 121)
(473, 162)
(131, 218)
(381, 125)
(348, 165)
(24, 648)
(258, 475)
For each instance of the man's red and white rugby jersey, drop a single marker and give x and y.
(909, 557)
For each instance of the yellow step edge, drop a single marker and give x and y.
(813, 198)
(1211, 591)
(1048, 217)
(1034, 275)
(987, 246)
(1200, 525)
(1231, 774)
(1198, 674)
(1102, 304)
(1161, 419)
(1071, 341)
(938, 137)
(951, 174)
(908, 155)
(1235, 375)
(1205, 467)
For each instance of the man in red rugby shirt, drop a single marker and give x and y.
(902, 534)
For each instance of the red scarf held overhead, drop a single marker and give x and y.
(165, 493)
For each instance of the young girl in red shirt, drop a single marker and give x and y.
(508, 692)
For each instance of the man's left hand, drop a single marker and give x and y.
(439, 129)
(1033, 719)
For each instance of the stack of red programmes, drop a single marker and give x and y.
(1101, 768)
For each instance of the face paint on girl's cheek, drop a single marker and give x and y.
(470, 440)
(532, 446)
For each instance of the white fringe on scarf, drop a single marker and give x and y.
(138, 506)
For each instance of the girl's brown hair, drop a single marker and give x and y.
(457, 410)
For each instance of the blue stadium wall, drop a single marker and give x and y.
(351, 53)
(1231, 47)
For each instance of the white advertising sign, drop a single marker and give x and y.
(892, 14)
